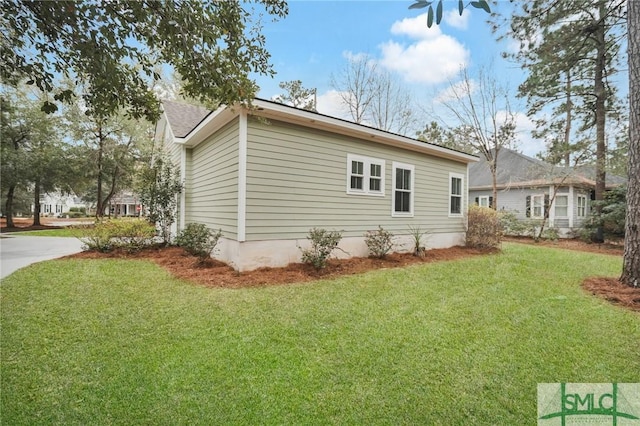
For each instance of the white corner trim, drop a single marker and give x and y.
(242, 175)
(183, 194)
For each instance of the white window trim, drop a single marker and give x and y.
(533, 210)
(449, 195)
(555, 206)
(404, 166)
(367, 162)
(583, 197)
(480, 199)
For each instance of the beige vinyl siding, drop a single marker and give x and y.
(212, 183)
(297, 180)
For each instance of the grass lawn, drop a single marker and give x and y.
(62, 232)
(462, 342)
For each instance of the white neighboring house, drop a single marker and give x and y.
(526, 188)
(124, 204)
(54, 204)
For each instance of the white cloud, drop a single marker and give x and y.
(454, 19)
(524, 141)
(431, 58)
(330, 103)
(416, 28)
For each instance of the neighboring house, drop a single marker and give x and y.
(268, 174)
(124, 204)
(58, 203)
(526, 186)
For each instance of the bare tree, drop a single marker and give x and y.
(374, 97)
(355, 84)
(483, 115)
(391, 106)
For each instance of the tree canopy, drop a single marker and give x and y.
(113, 49)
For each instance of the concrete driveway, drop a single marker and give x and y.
(19, 251)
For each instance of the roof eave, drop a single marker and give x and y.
(223, 115)
(323, 122)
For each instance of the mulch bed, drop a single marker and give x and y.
(217, 274)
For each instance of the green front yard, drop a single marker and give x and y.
(463, 342)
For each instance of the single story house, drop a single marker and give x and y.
(58, 203)
(267, 174)
(526, 187)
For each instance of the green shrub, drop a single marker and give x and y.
(513, 226)
(417, 234)
(379, 242)
(550, 234)
(483, 228)
(198, 240)
(323, 242)
(107, 235)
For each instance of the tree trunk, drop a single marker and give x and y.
(8, 211)
(36, 203)
(100, 206)
(601, 97)
(631, 263)
(567, 128)
(493, 166)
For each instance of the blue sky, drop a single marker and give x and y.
(312, 42)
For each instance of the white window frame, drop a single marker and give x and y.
(366, 176)
(555, 206)
(482, 198)
(581, 208)
(533, 204)
(412, 189)
(461, 195)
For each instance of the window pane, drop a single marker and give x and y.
(562, 203)
(376, 170)
(456, 203)
(484, 201)
(402, 201)
(374, 184)
(403, 179)
(356, 182)
(456, 186)
(357, 167)
(399, 176)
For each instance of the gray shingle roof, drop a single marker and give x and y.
(183, 118)
(519, 170)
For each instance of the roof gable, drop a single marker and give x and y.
(183, 118)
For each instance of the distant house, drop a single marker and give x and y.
(124, 204)
(58, 203)
(526, 186)
(266, 175)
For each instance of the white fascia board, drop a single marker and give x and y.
(209, 125)
(336, 125)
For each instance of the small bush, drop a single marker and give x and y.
(379, 242)
(198, 240)
(323, 242)
(130, 235)
(417, 234)
(483, 228)
(513, 226)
